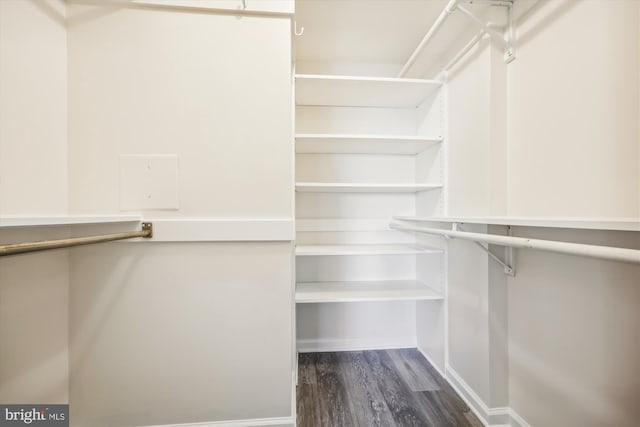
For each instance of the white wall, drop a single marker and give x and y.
(572, 150)
(212, 89)
(33, 180)
(33, 112)
(34, 357)
(178, 333)
(476, 137)
(165, 333)
(585, 138)
(573, 334)
(573, 122)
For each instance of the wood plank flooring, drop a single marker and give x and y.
(385, 388)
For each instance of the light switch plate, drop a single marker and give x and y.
(148, 182)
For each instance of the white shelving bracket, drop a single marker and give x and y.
(510, 255)
(508, 266)
(507, 40)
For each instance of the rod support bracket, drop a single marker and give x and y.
(454, 227)
(507, 266)
(506, 37)
(510, 271)
(148, 227)
(509, 256)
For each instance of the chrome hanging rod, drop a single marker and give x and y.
(45, 245)
(592, 251)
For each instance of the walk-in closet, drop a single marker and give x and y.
(320, 213)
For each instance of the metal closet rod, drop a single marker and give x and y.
(449, 9)
(45, 245)
(592, 251)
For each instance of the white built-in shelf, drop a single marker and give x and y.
(61, 220)
(342, 224)
(619, 224)
(382, 249)
(393, 290)
(318, 143)
(349, 91)
(342, 187)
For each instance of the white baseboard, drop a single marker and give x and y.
(431, 362)
(255, 422)
(490, 417)
(323, 345)
(517, 420)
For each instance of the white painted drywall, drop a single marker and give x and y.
(573, 111)
(469, 134)
(34, 357)
(214, 89)
(165, 333)
(574, 331)
(572, 150)
(33, 112)
(33, 181)
(173, 333)
(468, 313)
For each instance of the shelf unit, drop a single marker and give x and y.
(350, 91)
(367, 148)
(341, 187)
(364, 291)
(383, 249)
(318, 143)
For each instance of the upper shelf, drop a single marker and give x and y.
(60, 220)
(622, 224)
(348, 91)
(341, 187)
(317, 143)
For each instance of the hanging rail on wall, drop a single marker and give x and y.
(485, 28)
(592, 251)
(45, 245)
(464, 51)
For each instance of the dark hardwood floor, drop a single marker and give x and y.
(383, 388)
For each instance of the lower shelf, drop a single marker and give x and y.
(392, 290)
(341, 187)
(323, 250)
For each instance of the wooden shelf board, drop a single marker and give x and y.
(383, 249)
(394, 290)
(62, 220)
(363, 144)
(350, 91)
(613, 224)
(341, 187)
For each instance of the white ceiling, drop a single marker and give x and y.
(382, 32)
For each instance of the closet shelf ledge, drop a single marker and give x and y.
(341, 187)
(64, 220)
(364, 291)
(381, 249)
(611, 224)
